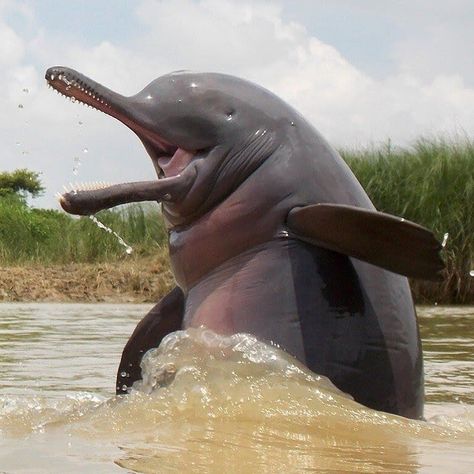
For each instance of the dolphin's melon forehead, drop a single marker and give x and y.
(223, 85)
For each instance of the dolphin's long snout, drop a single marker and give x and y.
(77, 86)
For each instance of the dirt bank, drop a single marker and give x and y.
(130, 281)
(142, 280)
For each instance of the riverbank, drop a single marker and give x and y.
(140, 280)
(132, 280)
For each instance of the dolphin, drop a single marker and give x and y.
(270, 233)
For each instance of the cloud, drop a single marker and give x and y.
(249, 39)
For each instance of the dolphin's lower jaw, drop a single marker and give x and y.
(87, 202)
(172, 163)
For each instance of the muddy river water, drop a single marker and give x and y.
(213, 404)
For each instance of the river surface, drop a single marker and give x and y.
(214, 404)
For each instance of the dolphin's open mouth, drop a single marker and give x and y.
(171, 162)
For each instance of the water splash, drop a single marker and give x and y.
(128, 248)
(225, 360)
(222, 401)
(445, 239)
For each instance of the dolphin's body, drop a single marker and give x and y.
(264, 221)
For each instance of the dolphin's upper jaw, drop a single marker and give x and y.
(76, 87)
(171, 161)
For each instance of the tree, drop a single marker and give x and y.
(20, 183)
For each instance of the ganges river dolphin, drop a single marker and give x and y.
(269, 233)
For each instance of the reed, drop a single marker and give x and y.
(41, 236)
(431, 183)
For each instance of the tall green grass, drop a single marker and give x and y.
(29, 235)
(431, 183)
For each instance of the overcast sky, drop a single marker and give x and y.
(361, 71)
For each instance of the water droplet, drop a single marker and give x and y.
(149, 97)
(25, 90)
(123, 374)
(436, 303)
(85, 150)
(25, 152)
(179, 101)
(20, 106)
(445, 239)
(76, 165)
(128, 249)
(471, 273)
(193, 85)
(124, 387)
(80, 122)
(73, 99)
(292, 123)
(68, 88)
(17, 143)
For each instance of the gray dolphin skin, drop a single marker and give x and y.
(269, 233)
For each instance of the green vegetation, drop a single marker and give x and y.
(20, 183)
(431, 183)
(29, 235)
